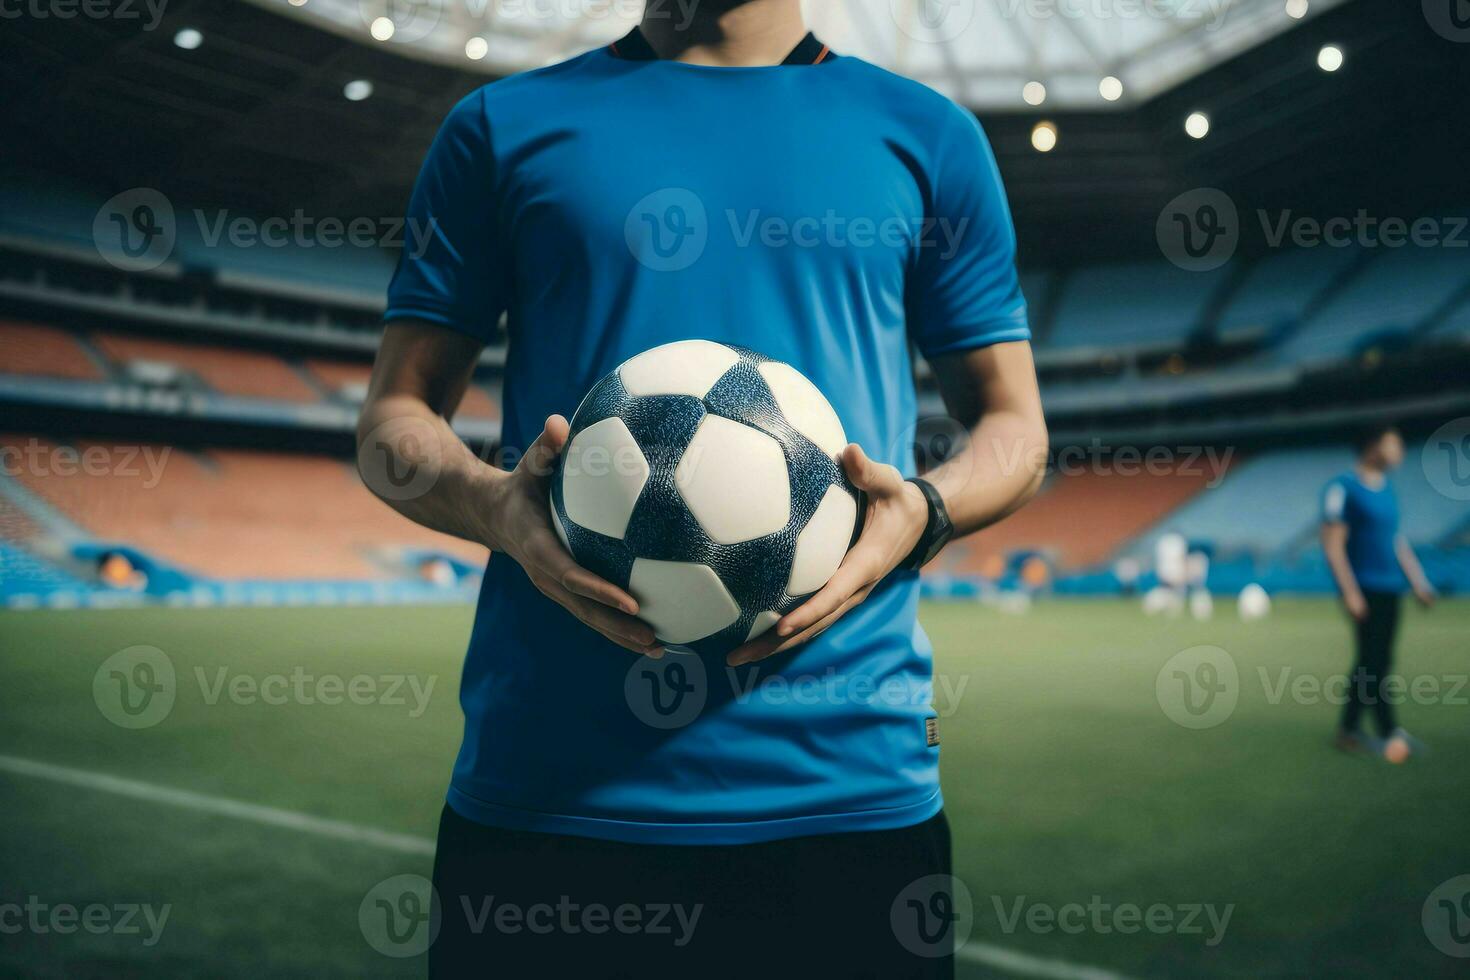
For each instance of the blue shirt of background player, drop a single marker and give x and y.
(1372, 519)
(827, 214)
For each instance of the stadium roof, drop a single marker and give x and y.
(982, 53)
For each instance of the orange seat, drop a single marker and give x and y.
(235, 513)
(228, 370)
(30, 348)
(1080, 519)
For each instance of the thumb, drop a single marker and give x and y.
(540, 458)
(866, 474)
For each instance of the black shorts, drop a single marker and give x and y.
(518, 904)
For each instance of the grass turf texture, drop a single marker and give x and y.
(1064, 780)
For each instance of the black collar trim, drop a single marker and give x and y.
(633, 46)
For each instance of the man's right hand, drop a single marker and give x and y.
(420, 376)
(517, 522)
(1357, 606)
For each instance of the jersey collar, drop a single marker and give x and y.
(633, 46)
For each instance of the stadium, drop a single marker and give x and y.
(1243, 236)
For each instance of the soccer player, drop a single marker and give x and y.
(1371, 562)
(729, 178)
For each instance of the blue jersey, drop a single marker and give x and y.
(1372, 519)
(825, 214)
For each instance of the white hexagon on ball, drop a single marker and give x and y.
(682, 601)
(603, 472)
(733, 479)
(822, 543)
(687, 367)
(805, 407)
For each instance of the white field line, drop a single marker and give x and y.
(220, 806)
(985, 954)
(1025, 965)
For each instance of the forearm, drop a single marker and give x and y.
(999, 470)
(1409, 562)
(412, 460)
(1342, 572)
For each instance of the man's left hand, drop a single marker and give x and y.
(896, 518)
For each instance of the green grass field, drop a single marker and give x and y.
(1066, 780)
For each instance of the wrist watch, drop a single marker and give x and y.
(937, 531)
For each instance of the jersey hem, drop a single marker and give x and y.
(983, 337)
(435, 317)
(693, 833)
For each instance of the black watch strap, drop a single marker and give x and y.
(937, 531)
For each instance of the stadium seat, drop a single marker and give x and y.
(31, 348)
(240, 514)
(1397, 291)
(227, 370)
(1079, 519)
(1133, 304)
(1263, 505)
(1280, 289)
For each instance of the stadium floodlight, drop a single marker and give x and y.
(1034, 93)
(1329, 59)
(1296, 9)
(1110, 88)
(382, 28)
(1197, 125)
(188, 39)
(1044, 136)
(357, 90)
(476, 48)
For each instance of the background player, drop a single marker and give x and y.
(1371, 562)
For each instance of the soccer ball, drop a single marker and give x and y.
(1254, 603)
(705, 480)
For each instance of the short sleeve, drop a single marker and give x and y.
(1334, 503)
(963, 292)
(451, 271)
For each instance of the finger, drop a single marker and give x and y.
(540, 458)
(764, 646)
(634, 633)
(867, 475)
(855, 572)
(625, 631)
(757, 649)
(545, 553)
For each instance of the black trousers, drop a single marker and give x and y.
(516, 904)
(1374, 663)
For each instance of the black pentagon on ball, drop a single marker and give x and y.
(662, 527)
